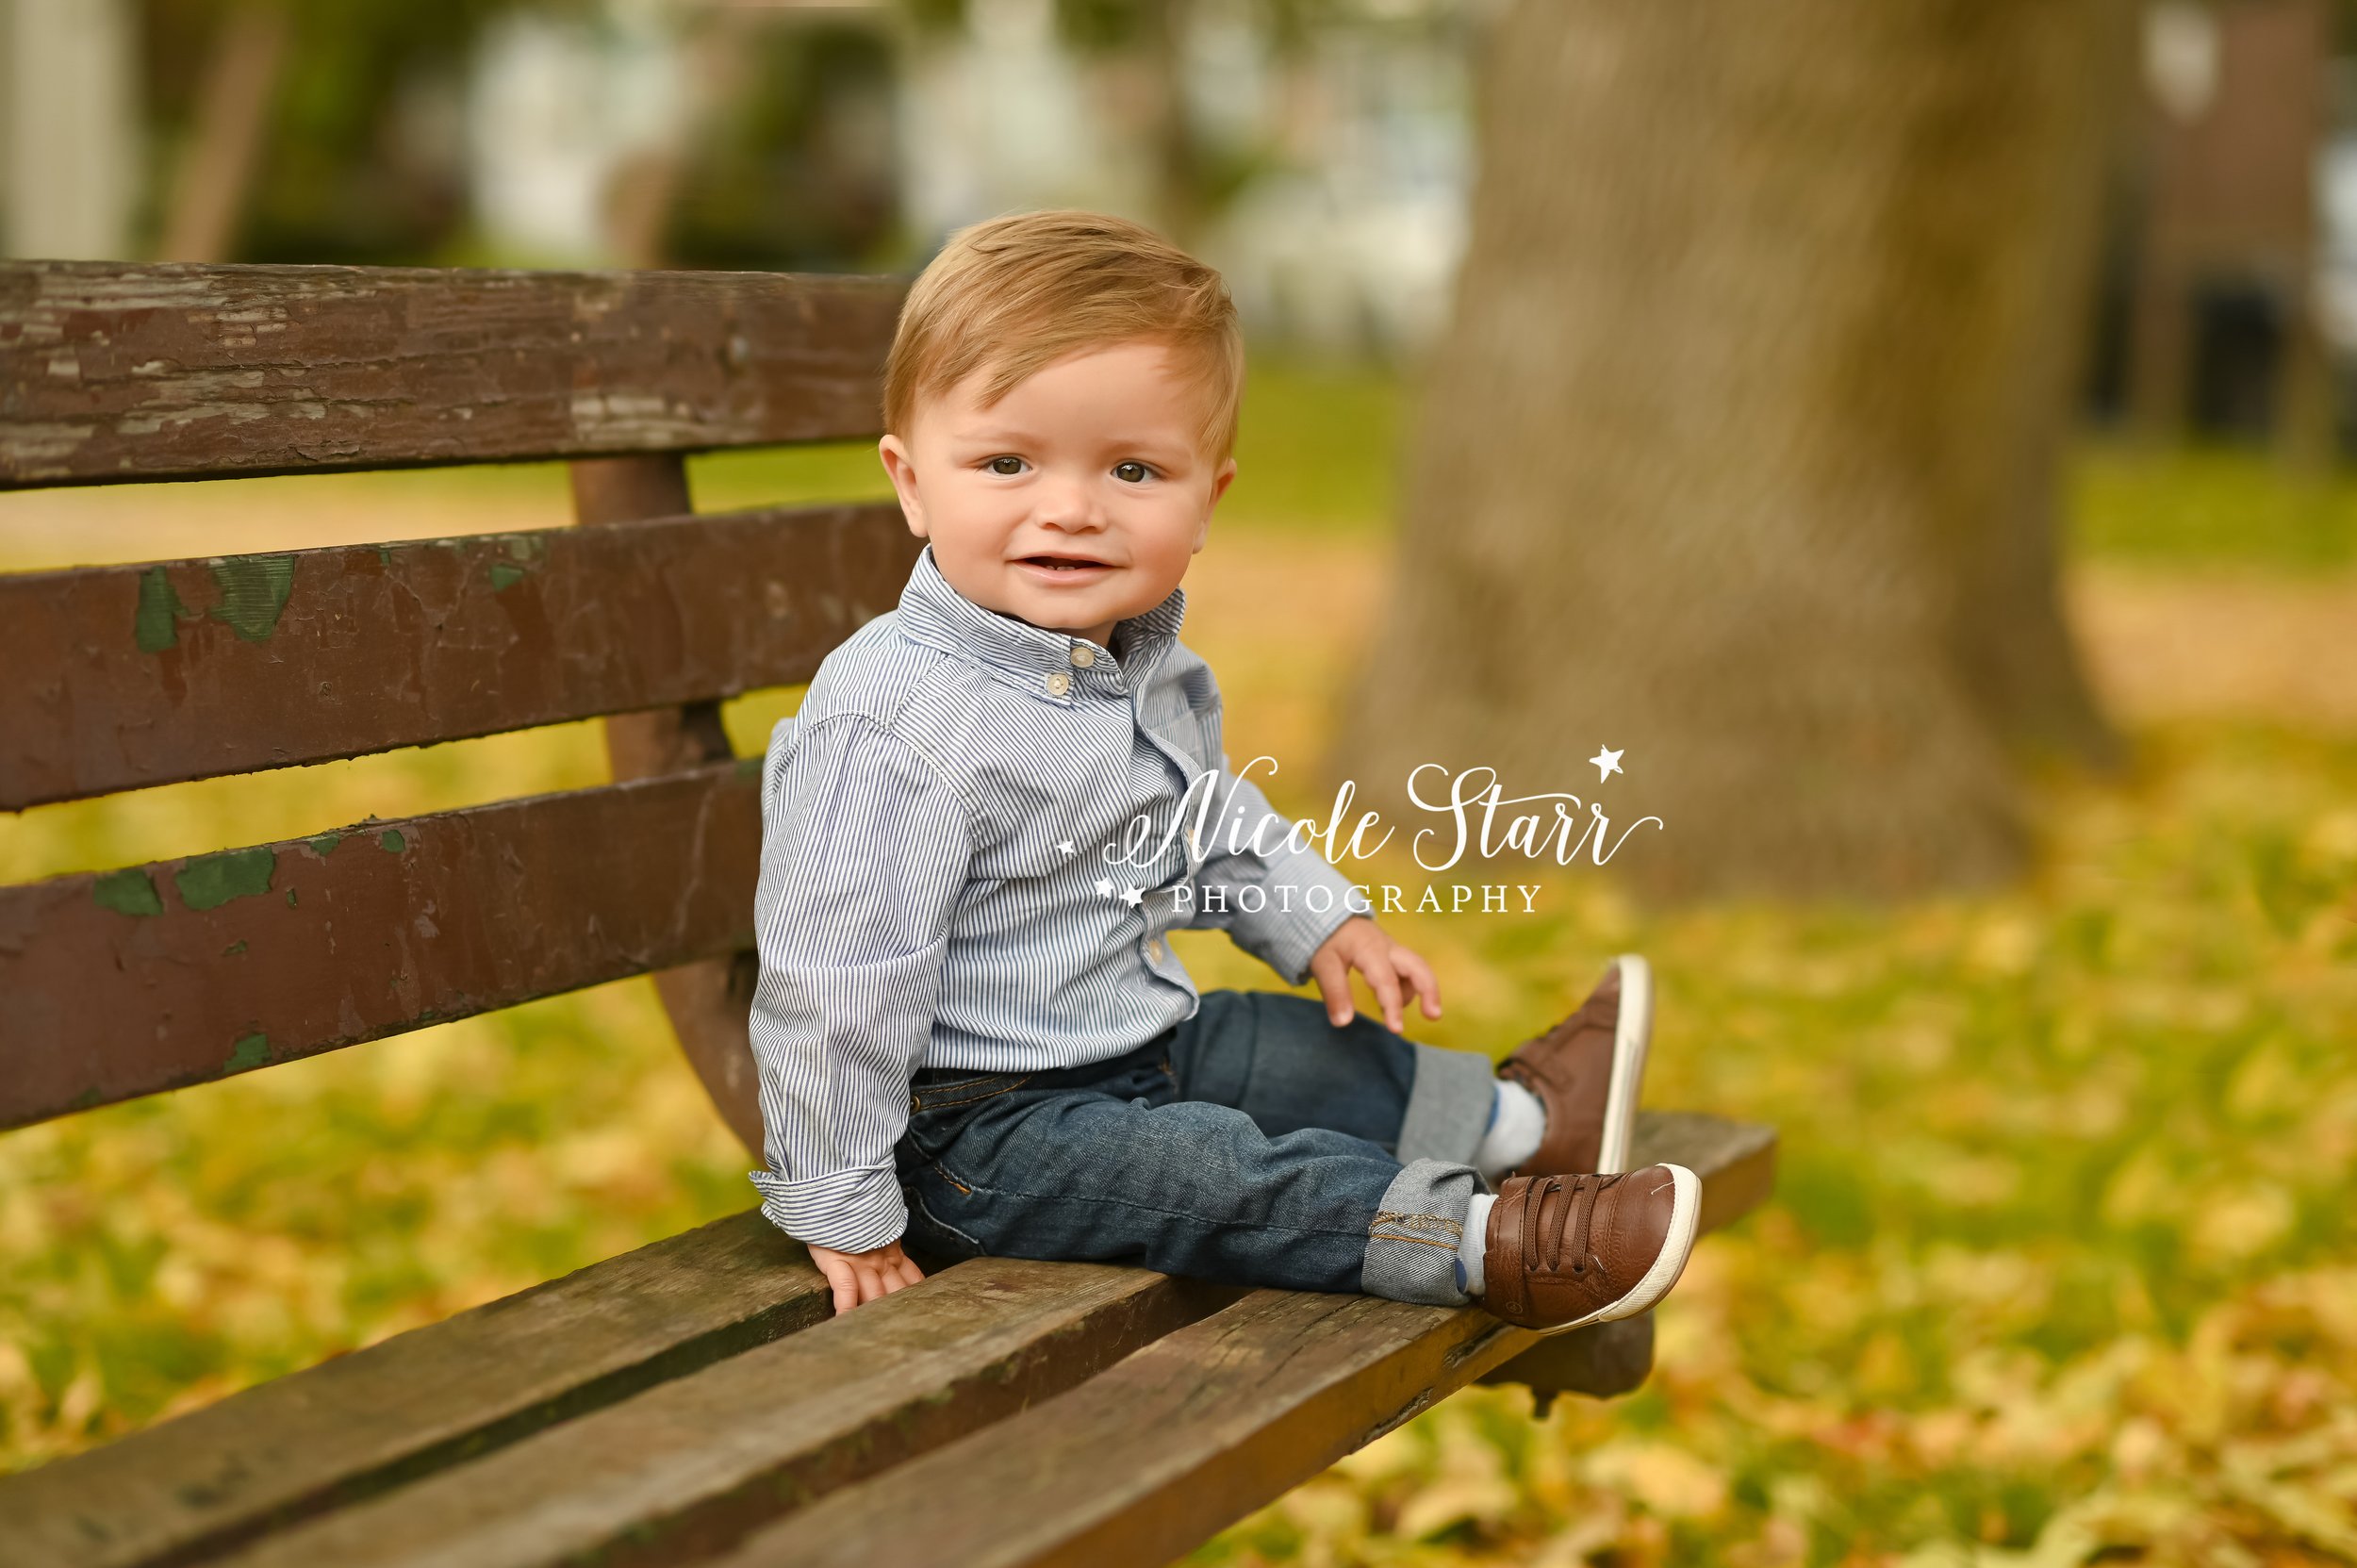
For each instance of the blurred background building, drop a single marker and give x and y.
(1320, 154)
(1324, 165)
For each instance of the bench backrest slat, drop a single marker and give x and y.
(120, 677)
(121, 983)
(111, 372)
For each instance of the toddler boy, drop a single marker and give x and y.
(971, 1032)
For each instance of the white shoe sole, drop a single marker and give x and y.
(1632, 1033)
(1685, 1220)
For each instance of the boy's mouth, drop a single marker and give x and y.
(1064, 566)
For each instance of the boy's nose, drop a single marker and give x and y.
(1068, 505)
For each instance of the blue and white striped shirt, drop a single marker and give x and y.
(942, 882)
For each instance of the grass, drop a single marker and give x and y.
(2203, 507)
(2059, 1270)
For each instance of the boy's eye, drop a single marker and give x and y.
(1006, 465)
(1132, 474)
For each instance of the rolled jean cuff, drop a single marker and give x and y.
(1448, 1106)
(1411, 1245)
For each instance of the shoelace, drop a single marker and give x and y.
(1579, 1194)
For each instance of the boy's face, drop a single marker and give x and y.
(1093, 460)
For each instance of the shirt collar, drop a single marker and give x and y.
(1028, 656)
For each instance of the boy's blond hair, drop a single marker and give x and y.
(1013, 295)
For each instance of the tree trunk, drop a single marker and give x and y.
(1739, 457)
(208, 197)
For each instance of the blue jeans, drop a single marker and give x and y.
(1253, 1144)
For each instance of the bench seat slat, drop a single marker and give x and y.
(1166, 1448)
(125, 982)
(689, 1467)
(962, 1371)
(111, 371)
(125, 676)
(410, 1405)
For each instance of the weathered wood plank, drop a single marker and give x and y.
(1159, 1452)
(111, 371)
(125, 676)
(687, 1468)
(122, 983)
(413, 1404)
(1606, 1360)
(1172, 1444)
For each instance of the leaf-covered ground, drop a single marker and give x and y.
(2060, 1268)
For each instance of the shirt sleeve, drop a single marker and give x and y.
(1285, 930)
(864, 849)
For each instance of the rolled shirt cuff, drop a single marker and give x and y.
(1286, 939)
(851, 1211)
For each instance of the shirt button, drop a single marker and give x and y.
(1059, 683)
(1084, 653)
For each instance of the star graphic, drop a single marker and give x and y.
(1133, 897)
(1608, 761)
(1068, 848)
(1104, 887)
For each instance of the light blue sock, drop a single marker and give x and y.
(1470, 1246)
(1518, 1123)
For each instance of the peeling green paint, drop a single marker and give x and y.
(391, 842)
(214, 880)
(254, 590)
(523, 547)
(154, 628)
(131, 892)
(234, 948)
(251, 1051)
(384, 554)
(504, 576)
(290, 900)
(324, 845)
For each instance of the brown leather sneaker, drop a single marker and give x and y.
(1586, 1071)
(1564, 1251)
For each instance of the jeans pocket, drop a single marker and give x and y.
(927, 1230)
(927, 1134)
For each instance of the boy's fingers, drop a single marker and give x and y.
(1386, 987)
(1333, 977)
(1427, 987)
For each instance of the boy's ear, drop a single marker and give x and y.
(902, 470)
(1220, 481)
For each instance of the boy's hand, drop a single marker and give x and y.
(1359, 944)
(859, 1277)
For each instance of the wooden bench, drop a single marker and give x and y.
(694, 1400)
